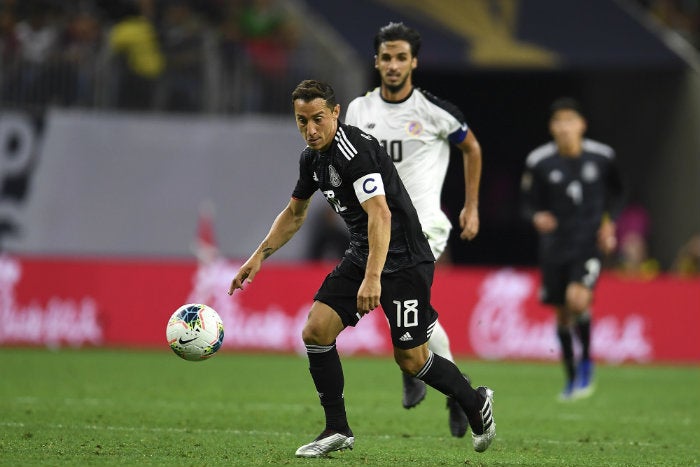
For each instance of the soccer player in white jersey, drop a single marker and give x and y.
(417, 129)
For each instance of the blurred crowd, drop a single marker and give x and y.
(147, 54)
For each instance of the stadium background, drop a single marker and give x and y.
(94, 194)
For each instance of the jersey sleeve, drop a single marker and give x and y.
(365, 169)
(351, 113)
(450, 121)
(306, 186)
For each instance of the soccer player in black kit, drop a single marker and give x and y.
(572, 192)
(388, 263)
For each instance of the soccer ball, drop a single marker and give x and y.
(195, 332)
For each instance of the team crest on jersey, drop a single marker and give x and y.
(371, 125)
(334, 177)
(555, 176)
(589, 172)
(414, 128)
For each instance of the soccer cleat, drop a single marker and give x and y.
(482, 441)
(327, 442)
(567, 394)
(413, 391)
(583, 385)
(457, 418)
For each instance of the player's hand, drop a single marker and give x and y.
(607, 240)
(246, 273)
(368, 295)
(544, 222)
(469, 223)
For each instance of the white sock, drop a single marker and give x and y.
(439, 343)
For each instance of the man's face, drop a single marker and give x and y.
(316, 122)
(567, 127)
(395, 64)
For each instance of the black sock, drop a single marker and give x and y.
(583, 330)
(567, 351)
(443, 375)
(327, 373)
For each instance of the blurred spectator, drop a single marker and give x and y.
(687, 261)
(231, 54)
(9, 44)
(36, 43)
(81, 46)
(181, 33)
(633, 227)
(634, 260)
(269, 36)
(329, 238)
(134, 41)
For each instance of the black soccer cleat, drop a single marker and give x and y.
(457, 418)
(413, 391)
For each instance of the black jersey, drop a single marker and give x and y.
(351, 166)
(578, 191)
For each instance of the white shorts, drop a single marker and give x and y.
(437, 231)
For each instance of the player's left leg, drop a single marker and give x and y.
(444, 376)
(406, 303)
(578, 299)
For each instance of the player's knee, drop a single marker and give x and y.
(314, 334)
(410, 362)
(578, 298)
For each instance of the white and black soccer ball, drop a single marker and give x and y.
(195, 332)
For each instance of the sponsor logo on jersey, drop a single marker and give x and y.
(315, 177)
(555, 176)
(406, 337)
(414, 128)
(371, 125)
(589, 172)
(334, 176)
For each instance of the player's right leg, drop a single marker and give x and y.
(334, 308)
(320, 331)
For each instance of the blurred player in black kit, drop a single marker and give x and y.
(572, 192)
(388, 263)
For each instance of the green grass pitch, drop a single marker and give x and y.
(150, 408)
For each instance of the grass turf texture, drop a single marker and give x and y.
(112, 407)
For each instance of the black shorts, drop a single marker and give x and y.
(405, 300)
(557, 276)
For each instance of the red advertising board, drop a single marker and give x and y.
(490, 313)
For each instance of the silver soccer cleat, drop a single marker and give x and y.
(325, 443)
(483, 441)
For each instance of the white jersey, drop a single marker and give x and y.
(416, 133)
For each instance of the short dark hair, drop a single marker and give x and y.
(565, 103)
(398, 32)
(310, 89)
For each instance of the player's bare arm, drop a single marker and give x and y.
(469, 215)
(379, 234)
(283, 229)
(607, 240)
